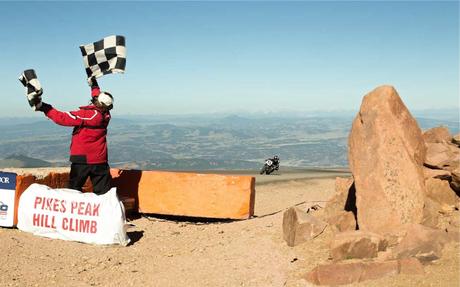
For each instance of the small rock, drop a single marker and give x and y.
(337, 203)
(437, 135)
(357, 244)
(343, 221)
(440, 191)
(455, 182)
(348, 273)
(456, 140)
(437, 155)
(299, 226)
(421, 242)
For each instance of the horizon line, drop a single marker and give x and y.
(256, 113)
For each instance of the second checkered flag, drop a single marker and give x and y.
(105, 56)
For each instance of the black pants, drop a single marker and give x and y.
(98, 173)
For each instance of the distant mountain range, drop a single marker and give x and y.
(20, 161)
(199, 142)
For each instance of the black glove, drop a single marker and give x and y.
(93, 83)
(44, 107)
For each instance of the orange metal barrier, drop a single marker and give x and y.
(168, 193)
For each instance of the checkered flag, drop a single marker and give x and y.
(105, 56)
(34, 90)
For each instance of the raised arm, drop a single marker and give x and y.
(95, 90)
(62, 118)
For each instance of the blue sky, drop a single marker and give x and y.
(212, 57)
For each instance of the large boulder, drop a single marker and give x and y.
(386, 155)
(299, 226)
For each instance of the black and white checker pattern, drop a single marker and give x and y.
(33, 88)
(105, 56)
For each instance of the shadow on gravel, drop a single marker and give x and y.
(135, 236)
(188, 219)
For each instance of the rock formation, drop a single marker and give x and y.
(404, 193)
(443, 156)
(386, 155)
(400, 207)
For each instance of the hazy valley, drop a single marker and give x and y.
(200, 142)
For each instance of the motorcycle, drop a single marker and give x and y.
(269, 167)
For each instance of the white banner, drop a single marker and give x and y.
(72, 215)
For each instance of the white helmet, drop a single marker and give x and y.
(106, 99)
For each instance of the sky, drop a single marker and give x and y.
(234, 57)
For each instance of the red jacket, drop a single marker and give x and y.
(89, 143)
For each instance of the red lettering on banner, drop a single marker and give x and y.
(85, 208)
(79, 225)
(84, 226)
(48, 221)
(56, 205)
(36, 219)
(38, 200)
(49, 202)
(52, 222)
(73, 206)
(88, 209)
(43, 220)
(63, 209)
(93, 226)
(64, 223)
(80, 208)
(96, 209)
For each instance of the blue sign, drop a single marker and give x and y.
(7, 180)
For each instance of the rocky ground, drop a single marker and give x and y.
(177, 252)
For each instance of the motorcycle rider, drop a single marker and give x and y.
(271, 164)
(276, 162)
